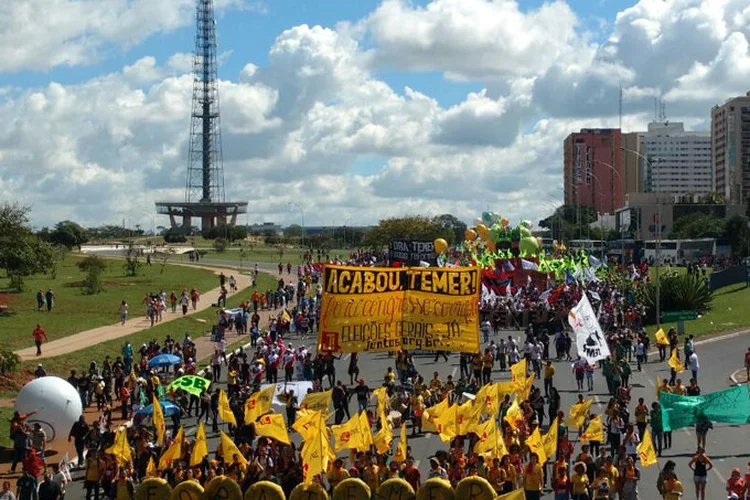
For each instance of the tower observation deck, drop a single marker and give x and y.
(204, 186)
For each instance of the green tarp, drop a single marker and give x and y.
(193, 384)
(729, 406)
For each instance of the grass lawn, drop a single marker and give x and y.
(6, 413)
(79, 360)
(729, 312)
(265, 254)
(75, 312)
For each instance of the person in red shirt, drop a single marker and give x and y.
(736, 485)
(34, 465)
(411, 474)
(39, 337)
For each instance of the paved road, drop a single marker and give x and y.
(718, 360)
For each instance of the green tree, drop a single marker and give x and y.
(68, 234)
(220, 245)
(293, 231)
(417, 228)
(738, 234)
(698, 225)
(93, 266)
(21, 252)
(132, 262)
(452, 223)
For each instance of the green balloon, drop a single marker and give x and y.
(528, 245)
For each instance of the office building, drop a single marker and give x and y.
(679, 162)
(730, 142)
(593, 170)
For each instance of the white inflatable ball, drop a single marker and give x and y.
(57, 405)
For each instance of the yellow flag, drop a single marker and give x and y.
(536, 445)
(314, 452)
(347, 435)
(365, 432)
(578, 413)
(488, 399)
(518, 375)
(174, 452)
(225, 411)
(259, 403)
(550, 440)
(646, 450)
(486, 432)
(430, 415)
(382, 395)
(382, 440)
(445, 422)
(272, 425)
(317, 401)
(229, 450)
(518, 494)
(594, 431)
(525, 391)
(158, 418)
(661, 338)
(200, 448)
(121, 448)
(514, 415)
(151, 468)
(505, 388)
(464, 415)
(675, 363)
(306, 423)
(400, 455)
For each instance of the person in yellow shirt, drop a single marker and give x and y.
(496, 476)
(673, 489)
(533, 479)
(641, 417)
(549, 373)
(679, 388)
(371, 474)
(337, 474)
(488, 361)
(612, 473)
(602, 486)
(509, 470)
(476, 366)
(579, 482)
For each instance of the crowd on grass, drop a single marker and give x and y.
(593, 469)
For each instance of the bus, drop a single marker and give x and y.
(681, 252)
(633, 250)
(591, 246)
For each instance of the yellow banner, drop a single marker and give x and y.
(388, 309)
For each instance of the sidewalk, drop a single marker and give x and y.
(133, 325)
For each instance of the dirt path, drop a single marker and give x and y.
(85, 339)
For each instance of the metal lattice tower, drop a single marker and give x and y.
(205, 168)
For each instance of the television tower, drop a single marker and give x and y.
(204, 187)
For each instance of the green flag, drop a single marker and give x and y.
(729, 406)
(190, 383)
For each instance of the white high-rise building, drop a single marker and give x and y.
(680, 161)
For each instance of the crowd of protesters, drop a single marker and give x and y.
(580, 470)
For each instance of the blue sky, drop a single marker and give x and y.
(249, 33)
(496, 86)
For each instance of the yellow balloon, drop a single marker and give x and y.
(188, 490)
(153, 487)
(504, 222)
(440, 245)
(491, 246)
(223, 487)
(483, 231)
(470, 234)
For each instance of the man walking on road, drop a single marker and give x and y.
(694, 365)
(39, 337)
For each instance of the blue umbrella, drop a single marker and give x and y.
(168, 408)
(163, 360)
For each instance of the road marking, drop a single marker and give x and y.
(718, 474)
(453, 373)
(347, 357)
(651, 382)
(416, 464)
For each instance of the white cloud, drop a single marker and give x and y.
(317, 125)
(474, 38)
(43, 34)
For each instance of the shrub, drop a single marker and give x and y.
(686, 292)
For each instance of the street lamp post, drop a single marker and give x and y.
(657, 223)
(302, 212)
(622, 233)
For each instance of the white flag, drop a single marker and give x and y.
(64, 468)
(592, 346)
